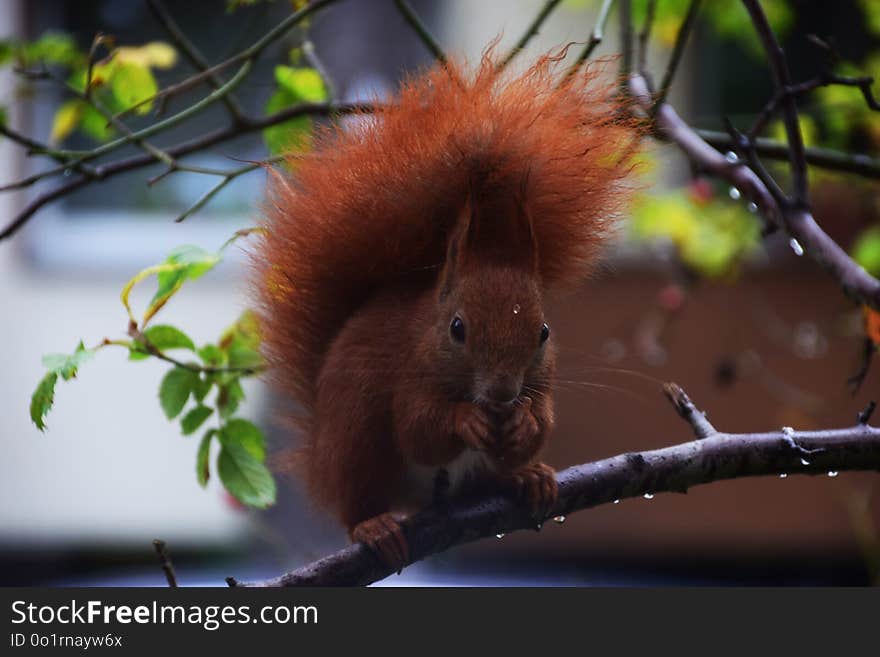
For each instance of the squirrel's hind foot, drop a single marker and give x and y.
(384, 536)
(535, 484)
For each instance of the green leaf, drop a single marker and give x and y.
(202, 458)
(246, 434)
(163, 337)
(95, 125)
(866, 250)
(192, 262)
(52, 48)
(291, 135)
(194, 419)
(67, 365)
(248, 480)
(230, 396)
(301, 84)
(131, 84)
(212, 355)
(137, 351)
(42, 399)
(175, 389)
(201, 388)
(241, 342)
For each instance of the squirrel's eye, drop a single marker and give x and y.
(456, 329)
(545, 333)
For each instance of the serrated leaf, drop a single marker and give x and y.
(66, 119)
(132, 83)
(164, 336)
(42, 400)
(66, 365)
(248, 480)
(175, 389)
(203, 458)
(230, 396)
(194, 419)
(246, 434)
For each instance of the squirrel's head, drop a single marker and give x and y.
(491, 332)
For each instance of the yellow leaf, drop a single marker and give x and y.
(156, 54)
(160, 54)
(67, 117)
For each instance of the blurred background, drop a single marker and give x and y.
(758, 336)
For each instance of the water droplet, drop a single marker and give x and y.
(617, 501)
(731, 157)
(783, 475)
(734, 193)
(752, 207)
(559, 519)
(832, 473)
(788, 431)
(499, 536)
(516, 309)
(796, 247)
(805, 462)
(68, 172)
(649, 496)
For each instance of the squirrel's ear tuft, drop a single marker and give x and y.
(456, 247)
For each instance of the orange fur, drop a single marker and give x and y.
(349, 269)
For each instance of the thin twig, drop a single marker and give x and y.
(626, 37)
(421, 30)
(192, 53)
(688, 411)
(199, 143)
(532, 30)
(677, 51)
(824, 158)
(782, 80)
(596, 37)
(165, 561)
(645, 36)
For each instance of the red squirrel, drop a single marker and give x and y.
(403, 273)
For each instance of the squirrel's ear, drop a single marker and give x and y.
(456, 247)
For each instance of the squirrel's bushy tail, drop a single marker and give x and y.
(376, 199)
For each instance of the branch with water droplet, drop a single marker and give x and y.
(719, 456)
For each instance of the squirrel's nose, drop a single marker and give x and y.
(504, 390)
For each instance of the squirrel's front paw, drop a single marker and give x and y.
(518, 433)
(473, 426)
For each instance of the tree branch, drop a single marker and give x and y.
(716, 457)
(195, 144)
(797, 221)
